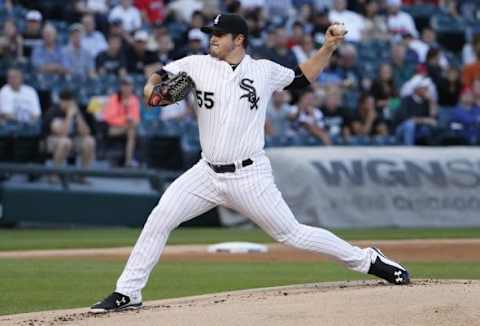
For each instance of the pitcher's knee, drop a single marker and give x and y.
(290, 237)
(162, 219)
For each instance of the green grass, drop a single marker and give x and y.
(13, 239)
(54, 284)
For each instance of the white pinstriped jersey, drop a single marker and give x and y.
(232, 103)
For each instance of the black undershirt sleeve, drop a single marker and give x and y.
(299, 81)
(162, 73)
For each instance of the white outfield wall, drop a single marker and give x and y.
(378, 186)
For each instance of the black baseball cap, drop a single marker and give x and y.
(227, 23)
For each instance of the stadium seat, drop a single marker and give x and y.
(26, 149)
(443, 116)
(450, 31)
(421, 14)
(350, 99)
(6, 149)
(164, 152)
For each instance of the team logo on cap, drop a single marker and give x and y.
(216, 20)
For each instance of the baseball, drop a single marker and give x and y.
(338, 29)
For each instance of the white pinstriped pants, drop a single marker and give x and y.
(252, 192)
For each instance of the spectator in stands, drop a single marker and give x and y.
(48, 57)
(112, 60)
(465, 119)
(408, 88)
(184, 9)
(423, 45)
(279, 8)
(472, 71)
(476, 91)
(8, 6)
(11, 42)
(153, 11)
(264, 48)
(122, 114)
(197, 44)
(385, 92)
(158, 32)
(402, 70)
(18, 102)
(32, 36)
(433, 66)
(128, 14)
(162, 44)
(256, 28)
(449, 88)
(296, 37)
(93, 7)
(305, 49)
(116, 28)
(211, 7)
(279, 114)
(400, 22)
(375, 24)
(139, 59)
(354, 22)
(92, 40)
(305, 12)
(337, 119)
(280, 53)
(78, 60)
(348, 67)
(308, 119)
(366, 121)
(198, 20)
(416, 116)
(468, 51)
(320, 23)
(165, 49)
(198, 41)
(67, 129)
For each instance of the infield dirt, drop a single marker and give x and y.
(425, 302)
(403, 250)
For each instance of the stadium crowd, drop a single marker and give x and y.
(72, 76)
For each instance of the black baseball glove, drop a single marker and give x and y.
(171, 89)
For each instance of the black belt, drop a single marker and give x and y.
(229, 167)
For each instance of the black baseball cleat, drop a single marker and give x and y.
(387, 269)
(115, 302)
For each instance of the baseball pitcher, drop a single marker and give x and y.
(232, 91)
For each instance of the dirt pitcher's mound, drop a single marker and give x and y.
(343, 303)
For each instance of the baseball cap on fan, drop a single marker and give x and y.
(140, 36)
(34, 15)
(227, 23)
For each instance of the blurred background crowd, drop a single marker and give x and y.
(72, 76)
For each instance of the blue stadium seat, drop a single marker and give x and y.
(421, 13)
(384, 141)
(312, 141)
(357, 141)
(443, 116)
(350, 99)
(450, 31)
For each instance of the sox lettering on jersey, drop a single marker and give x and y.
(251, 95)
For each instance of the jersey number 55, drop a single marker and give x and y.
(205, 99)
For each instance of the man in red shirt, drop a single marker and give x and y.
(153, 11)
